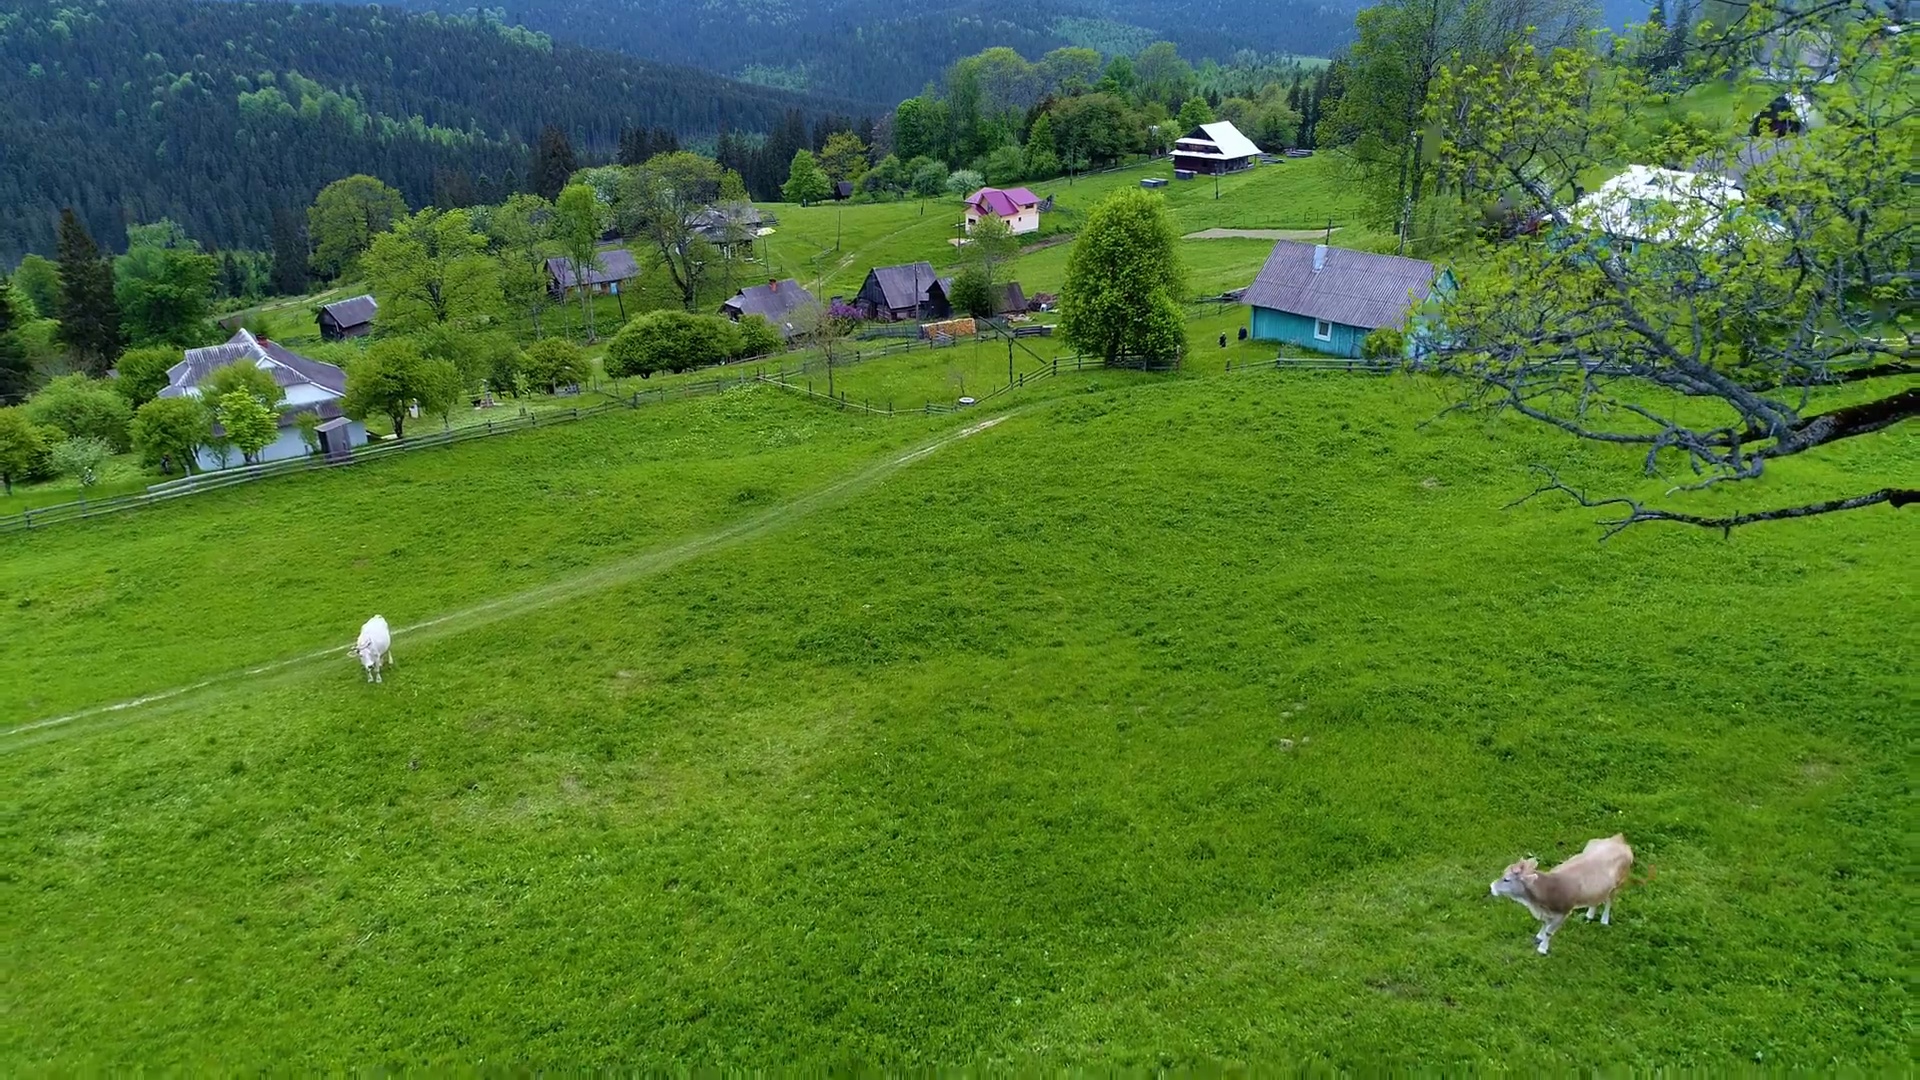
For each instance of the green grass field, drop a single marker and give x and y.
(1174, 721)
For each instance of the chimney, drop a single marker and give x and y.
(1319, 257)
(773, 284)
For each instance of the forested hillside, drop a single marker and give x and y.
(216, 115)
(873, 50)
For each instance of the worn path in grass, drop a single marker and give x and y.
(604, 577)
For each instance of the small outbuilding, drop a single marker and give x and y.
(1214, 148)
(907, 291)
(728, 225)
(1329, 299)
(778, 302)
(349, 318)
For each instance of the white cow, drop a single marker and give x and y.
(375, 647)
(1589, 880)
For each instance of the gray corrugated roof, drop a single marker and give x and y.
(353, 311)
(774, 305)
(903, 286)
(613, 264)
(287, 368)
(713, 222)
(1354, 288)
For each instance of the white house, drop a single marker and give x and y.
(1018, 207)
(310, 387)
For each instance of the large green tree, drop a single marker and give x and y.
(170, 430)
(16, 368)
(164, 286)
(346, 216)
(142, 373)
(431, 268)
(657, 204)
(23, 448)
(1701, 346)
(522, 233)
(38, 279)
(88, 313)
(391, 377)
(579, 220)
(806, 181)
(1125, 281)
(248, 424)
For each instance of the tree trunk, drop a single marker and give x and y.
(398, 419)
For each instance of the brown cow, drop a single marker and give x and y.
(1589, 880)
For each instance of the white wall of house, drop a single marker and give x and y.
(1026, 221)
(287, 445)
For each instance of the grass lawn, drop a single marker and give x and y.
(1175, 721)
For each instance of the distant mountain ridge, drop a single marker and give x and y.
(218, 114)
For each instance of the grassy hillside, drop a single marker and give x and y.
(1172, 721)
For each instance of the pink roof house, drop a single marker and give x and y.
(1018, 207)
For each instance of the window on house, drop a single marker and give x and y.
(1323, 330)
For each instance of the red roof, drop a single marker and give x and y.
(1002, 202)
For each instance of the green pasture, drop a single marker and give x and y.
(1174, 722)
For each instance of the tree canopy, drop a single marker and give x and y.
(1125, 281)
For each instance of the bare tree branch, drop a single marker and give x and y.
(1635, 512)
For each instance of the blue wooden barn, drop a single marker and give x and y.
(1328, 299)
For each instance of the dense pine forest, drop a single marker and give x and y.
(217, 116)
(880, 51)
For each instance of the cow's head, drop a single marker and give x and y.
(1518, 878)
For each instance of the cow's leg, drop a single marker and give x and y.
(1590, 912)
(1547, 932)
(1606, 913)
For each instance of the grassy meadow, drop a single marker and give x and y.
(1172, 721)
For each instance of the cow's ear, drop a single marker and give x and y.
(1529, 865)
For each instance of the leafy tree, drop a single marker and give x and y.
(393, 375)
(1194, 113)
(990, 246)
(1004, 166)
(758, 337)
(1163, 76)
(888, 177)
(1093, 129)
(16, 368)
(964, 182)
(553, 163)
(668, 341)
(552, 363)
(82, 408)
(248, 424)
(1042, 156)
(971, 292)
(929, 176)
(806, 181)
(1720, 317)
(89, 316)
(38, 280)
(346, 216)
(167, 430)
(522, 234)
(431, 268)
(1125, 281)
(658, 203)
(844, 157)
(1386, 343)
(288, 276)
(578, 221)
(911, 139)
(81, 458)
(142, 373)
(242, 375)
(23, 448)
(164, 285)
(1069, 71)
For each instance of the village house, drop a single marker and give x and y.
(1214, 148)
(311, 387)
(1647, 204)
(610, 268)
(1329, 299)
(778, 302)
(729, 225)
(909, 291)
(1018, 207)
(347, 318)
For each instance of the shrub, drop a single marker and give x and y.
(964, 182)
(170, 430)
(81, 459)
(552, 363)
(668, 341)
(82, 408)
(1385, 343)
(142, 373)
(971, 293)
(758, 337)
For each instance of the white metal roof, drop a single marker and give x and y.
(1226, 142)
(1659, 205)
